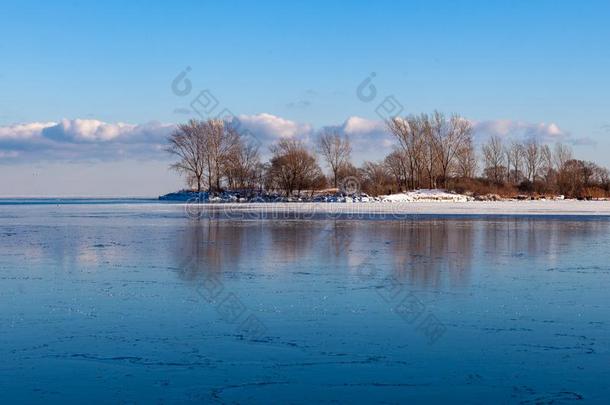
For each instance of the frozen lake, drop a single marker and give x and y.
(137, 302)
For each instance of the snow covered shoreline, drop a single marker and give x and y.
(398, 209)
(337, 197)
(417, 202)
(425, 195)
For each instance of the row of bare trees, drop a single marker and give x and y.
(212, 156)
(432, 151)
(211, 152)
(537, 167)
(516, 161)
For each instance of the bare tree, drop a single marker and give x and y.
(603, 178)
(588, 170)
(411, 135)
(429, 155)
(222, 140)
(187, 142)
(396, 164)
(508, 159)
(293, 167)
(447, 139)
(349, 170)
(562, 154)
(204, 148)
(466, 166)
(547, 164)
(583, 179)
(375, 178)
(493, 154)
(533, 159)
(514, 156)
(336, 150)
(243, 166)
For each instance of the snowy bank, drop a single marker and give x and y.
(426, 195)
(338, 197)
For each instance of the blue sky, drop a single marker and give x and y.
(283, 66)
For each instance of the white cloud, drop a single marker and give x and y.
(543, 132)
(24, 131)
(82, 139)
(86, 130)
(360, 126)
(370, 138)
(271, 126)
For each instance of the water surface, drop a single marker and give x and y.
(117, 302)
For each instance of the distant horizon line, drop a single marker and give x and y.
(78, 197)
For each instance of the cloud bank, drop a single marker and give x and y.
(543, 132)
(95, 140)
(83, 139)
